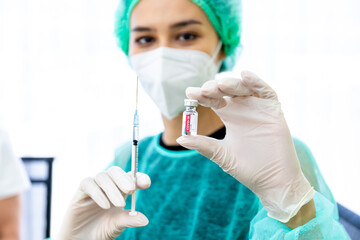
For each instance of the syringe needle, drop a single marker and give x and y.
(137, 91)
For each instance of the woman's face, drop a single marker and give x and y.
(171, 23)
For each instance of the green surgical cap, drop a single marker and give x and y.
(225, 16)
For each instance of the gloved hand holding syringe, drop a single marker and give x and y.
(97, 209)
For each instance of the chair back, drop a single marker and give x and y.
(36, 201)
(350, 221)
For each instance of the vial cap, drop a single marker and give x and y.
(191, 103)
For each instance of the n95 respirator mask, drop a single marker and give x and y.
(165, 73)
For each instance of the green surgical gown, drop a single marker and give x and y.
(193, 198)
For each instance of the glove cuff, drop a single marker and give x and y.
(285, 206)
(307, 198)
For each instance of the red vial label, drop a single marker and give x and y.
(187, 123)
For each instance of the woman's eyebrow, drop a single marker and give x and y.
(175, 25)
(142, 29)
(185, 23)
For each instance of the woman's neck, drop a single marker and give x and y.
(208, 123)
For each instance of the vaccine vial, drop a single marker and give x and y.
(190, 117)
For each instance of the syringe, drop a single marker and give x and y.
(134, 157)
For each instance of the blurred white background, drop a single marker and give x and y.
(66, 89)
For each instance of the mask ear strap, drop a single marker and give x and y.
(215, 54)
(216, 51)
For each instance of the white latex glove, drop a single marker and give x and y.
(97, 210)
(258, 149)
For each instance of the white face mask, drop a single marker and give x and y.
(165, 73)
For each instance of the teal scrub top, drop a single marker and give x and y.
(191, 197)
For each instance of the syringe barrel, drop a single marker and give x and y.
(134, 161)
(136, 127)
(135, 133)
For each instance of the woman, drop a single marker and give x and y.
(246, 183)
(13, 181)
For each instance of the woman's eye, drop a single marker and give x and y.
(187, 37)
(144, 40)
